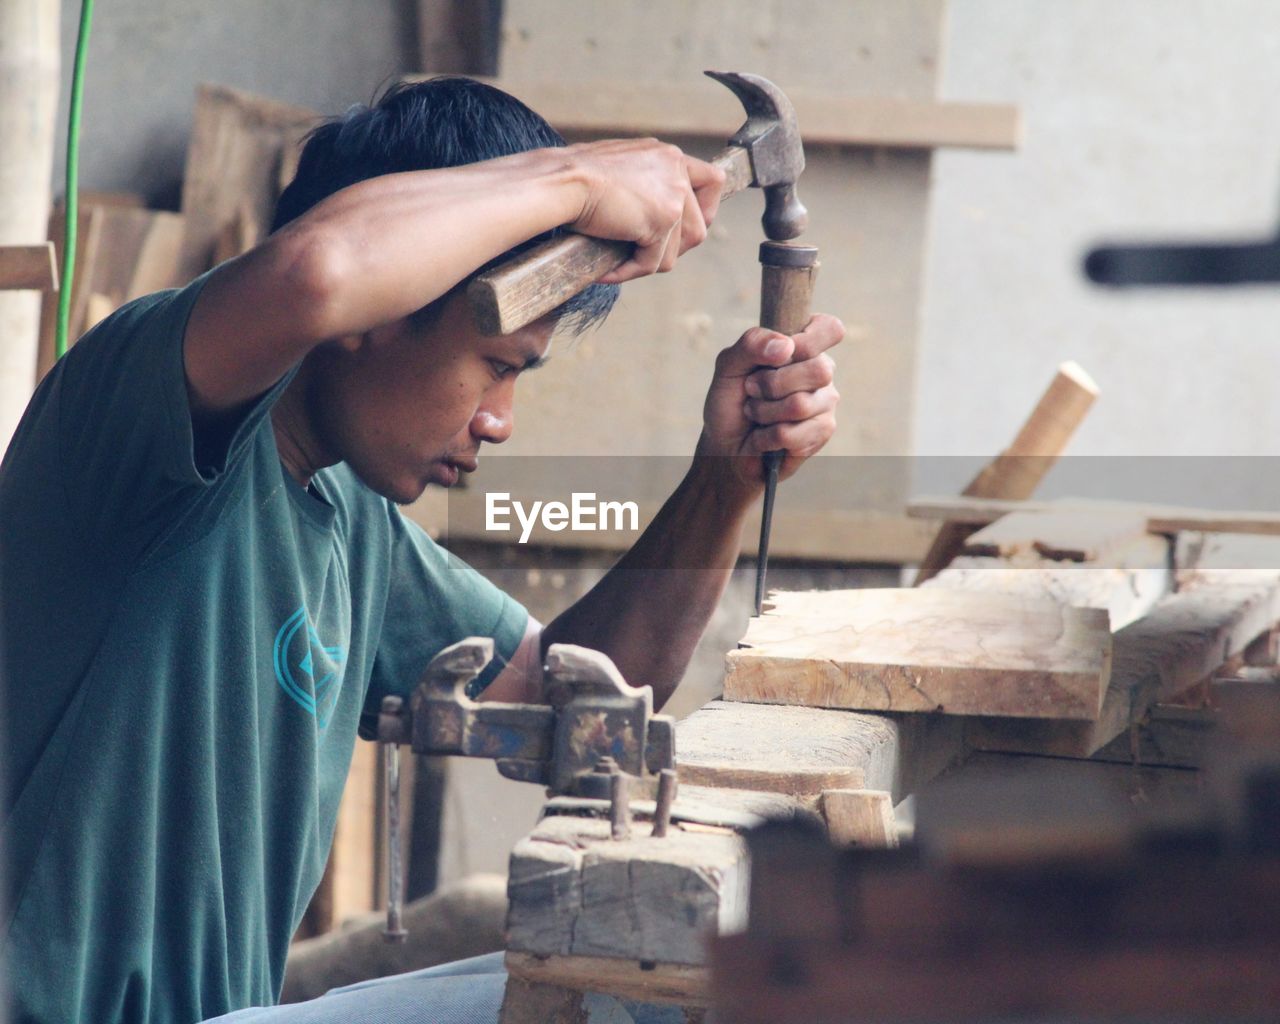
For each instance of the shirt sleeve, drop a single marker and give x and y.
(125, 439)
(435, 600)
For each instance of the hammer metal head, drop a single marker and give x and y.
(771, 136)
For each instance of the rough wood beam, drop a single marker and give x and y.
(802, 752)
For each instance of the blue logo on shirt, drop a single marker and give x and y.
(308, 671)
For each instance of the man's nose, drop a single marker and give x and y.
(495, 419)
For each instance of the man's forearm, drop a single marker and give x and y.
(650, 609)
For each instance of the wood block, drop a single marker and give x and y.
(925, 650)
(860, 817)
(28, 267)
(574, 891)
(530, 1002)
(238, 142)
(1079, 535)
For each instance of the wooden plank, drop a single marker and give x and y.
(28, 267)
(1131, 581)
(925, 650)
(800, 752)
(1017, 471)
(574, 891)
(1163, 519)
(650, 982)
(703, 109)
(238, 142)
(1185, 639)
(1075, 535)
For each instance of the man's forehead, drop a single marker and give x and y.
(534, 342)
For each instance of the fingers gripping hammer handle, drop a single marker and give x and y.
(534, 283)
(786, 290)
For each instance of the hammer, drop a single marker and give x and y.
(764, 153)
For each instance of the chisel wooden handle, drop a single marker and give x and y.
(787, 273)
(534, 283)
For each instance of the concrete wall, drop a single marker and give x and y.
(1143, 120)
(147, 56)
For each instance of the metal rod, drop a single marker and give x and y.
(394, 931)
(620, 805)
(772, 460)
(666, 797)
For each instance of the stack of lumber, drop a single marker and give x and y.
(1056, 633)
(243, 150)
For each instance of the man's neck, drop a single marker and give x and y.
(300, 450)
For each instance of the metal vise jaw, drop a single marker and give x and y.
(592, 716)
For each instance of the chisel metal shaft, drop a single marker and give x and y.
(786, 290)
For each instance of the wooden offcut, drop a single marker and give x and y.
(925, 650)
(239, 142)
(28, 267)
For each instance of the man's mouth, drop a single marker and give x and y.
(446, 472)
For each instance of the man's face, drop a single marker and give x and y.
(407, 405)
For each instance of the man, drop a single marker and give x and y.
(206, 581)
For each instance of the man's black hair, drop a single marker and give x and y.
(442, 122)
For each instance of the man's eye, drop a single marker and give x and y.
(502, 369)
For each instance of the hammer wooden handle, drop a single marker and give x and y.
(534, 283)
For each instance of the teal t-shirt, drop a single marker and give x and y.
(187, 652)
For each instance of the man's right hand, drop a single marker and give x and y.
(647, 192)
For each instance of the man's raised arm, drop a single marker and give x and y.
(381, 249)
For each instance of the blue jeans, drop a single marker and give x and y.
(464, 992)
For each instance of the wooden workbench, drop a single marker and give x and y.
(631, 918)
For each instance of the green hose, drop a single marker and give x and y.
(73, 176)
